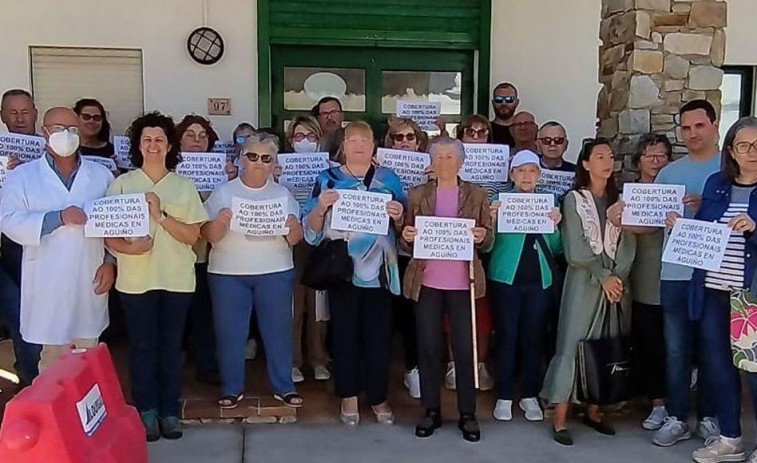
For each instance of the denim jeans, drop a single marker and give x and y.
(235, 299)
(27, 354)
(520, 317)
(679, 341)
(156, 321)
(201, 334)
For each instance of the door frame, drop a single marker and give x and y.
(481, 69)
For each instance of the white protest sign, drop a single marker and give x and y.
(361, 211)
(442, 238)
(108, 163)
(3, 172)
(697, 243)
(91, 410)
(299, 172)
(119, 216)
(409, 166)
(225, 147)
(259, 218)
(24, 147)
(525, 213)
(206, 170)
(485, 163)
(121, 146)
(423, 113)
(555, 181)
(647, 204)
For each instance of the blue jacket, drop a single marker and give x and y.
(715, 200)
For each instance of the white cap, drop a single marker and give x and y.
(524, 157)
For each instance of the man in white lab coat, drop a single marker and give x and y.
(66, 277)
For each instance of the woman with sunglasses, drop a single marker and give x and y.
(94, 129)
(304, 136)
(156, 273)
(252, 275)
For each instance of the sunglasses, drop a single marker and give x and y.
(91, 117)
(480, 133)
(241, 139)
(264, 158)
(504, 99)
(400, 137)
(310, 137)
(552, 140)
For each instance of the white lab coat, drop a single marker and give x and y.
(58, 301)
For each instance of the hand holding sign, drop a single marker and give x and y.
(73, 215)
(120, 216)
(697, 243)
(647, 204)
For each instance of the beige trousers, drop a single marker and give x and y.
(50, 352)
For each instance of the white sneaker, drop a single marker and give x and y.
(752, 457)
(503, 410)
(485, 381)
(297, 375)
(708, 429)
(671, 432)
(413, 383)
(719, 450)
(531, 409)
(251, 351)
(321, 373)
(655, 419)
(450, 381)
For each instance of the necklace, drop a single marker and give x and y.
(361, 183)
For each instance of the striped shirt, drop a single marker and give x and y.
(730, 275)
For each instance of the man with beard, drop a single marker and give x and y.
(505, 102)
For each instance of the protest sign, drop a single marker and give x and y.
(697, 243)
(525, 213)
(206, 170)
(409, 166)
(423, 113)
(555, 181)
(108, 163)
(24, 147)
(225, 147)
(442, 238)
(299, 172)
(361, 211)
(121, 147)
(485, 163)
(647, 204)
(124, 216)
(259, 218)
(3, 171)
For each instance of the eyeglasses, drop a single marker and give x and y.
(332, 113)
(241, 139)
(400, 137)
(264, 158)
(743, 147)
(196, 136)
(57, 128)
(91, 117)
(473, 133)
(552, 140)
(301, 136)
(655, 157)
(504, 99)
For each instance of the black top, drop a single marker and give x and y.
(529, 270)
(106, 151)
(564, 167)
(501, 135)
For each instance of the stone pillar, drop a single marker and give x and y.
(655, 56)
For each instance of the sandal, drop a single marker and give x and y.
(230, 401)
(291, 399)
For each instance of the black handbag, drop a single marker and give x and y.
(604, 365)
(330, 263)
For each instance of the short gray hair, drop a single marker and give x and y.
(445, 140)
(263, 138)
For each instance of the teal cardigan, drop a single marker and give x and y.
(507, 251)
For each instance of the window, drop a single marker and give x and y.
(60, 76)
(737, 96)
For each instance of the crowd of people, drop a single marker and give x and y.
(537, 296)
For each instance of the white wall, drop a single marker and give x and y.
(741, 33)
(548, 49)
(173, 82)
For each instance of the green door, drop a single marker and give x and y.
(369, 81)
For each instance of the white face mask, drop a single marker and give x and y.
(64, 143)
(305, 146)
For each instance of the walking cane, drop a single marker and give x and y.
(472, 278)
